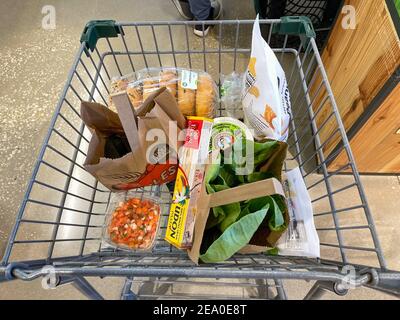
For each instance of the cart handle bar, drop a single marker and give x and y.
(97, 29)
(358, 281)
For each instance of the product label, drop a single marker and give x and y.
(224, 135)
(188, 182)
(193, 133)
(251, 79)
(155, 174)
(178, 210)
(189, 79)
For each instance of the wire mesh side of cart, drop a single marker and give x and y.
(61, 217)
(321, 12)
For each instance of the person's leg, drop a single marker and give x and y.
(183, 8)
(200, 9)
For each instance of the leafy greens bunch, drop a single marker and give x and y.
(230, 227)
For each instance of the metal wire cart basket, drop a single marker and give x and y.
(58, 227)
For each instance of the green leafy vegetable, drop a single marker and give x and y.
(259, 203)
(215, 218)
(276, 221)
(228, 176)
(209, 237)
(220, 181)
(209, 189)
(254, 205)
(272, 252)
(275, 215)
(234, 238)
(236, 158)
(244, 212)
(241, 179)
(213, 170)
(218, 213)
(258, 176)
(263, 151)
(218, 187)
(230, 227)
(260, 147)
(232, 212)
(224, 215)
(239, 158)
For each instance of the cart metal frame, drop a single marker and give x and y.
(57, 234)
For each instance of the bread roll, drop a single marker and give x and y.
(149, 86)
(135, 95)
(169, 79)
(118, 85)
(186, 100)
(205, 96)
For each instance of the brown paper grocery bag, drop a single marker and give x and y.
(245, 192)
(274, 164)
(133, 170)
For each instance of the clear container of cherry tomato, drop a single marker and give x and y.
(132, 222)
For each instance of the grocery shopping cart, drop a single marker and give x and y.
(57, 235)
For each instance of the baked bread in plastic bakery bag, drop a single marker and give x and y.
(266, 99)
(195, 91)
(205, 96)
(120, 84)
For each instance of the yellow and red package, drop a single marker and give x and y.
(192, 160)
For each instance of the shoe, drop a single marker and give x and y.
(199, 31)
(183, 8)
(215, 13)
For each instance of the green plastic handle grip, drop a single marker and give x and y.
(297, 25)
(96, 29)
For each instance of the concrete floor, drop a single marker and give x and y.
(34, 66)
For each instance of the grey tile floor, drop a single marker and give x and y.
(34, 65)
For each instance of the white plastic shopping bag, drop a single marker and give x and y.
(265, 99)
(301, 238)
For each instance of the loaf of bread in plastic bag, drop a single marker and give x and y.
(195, 91)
